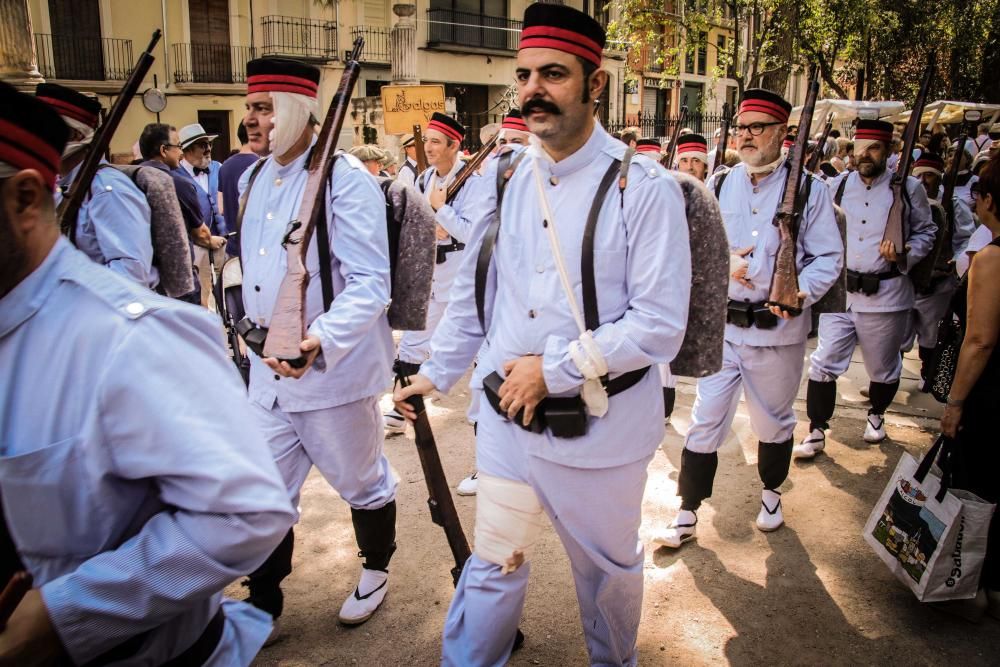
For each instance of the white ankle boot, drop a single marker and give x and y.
(770, 517)
(875, 430)
(366, 598)
(811, 446)
(683, 529)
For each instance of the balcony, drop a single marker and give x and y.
(211, 63)
(306, 39)
(376, 38)
(445, 26)
(83, 58)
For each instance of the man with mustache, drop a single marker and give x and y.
(113, 225)
(880, 295)
(692, 155)
(764, 346)
(130, 519)
(585, 465)
(325, 413)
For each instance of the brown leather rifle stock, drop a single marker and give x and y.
(900, 198)
(69, 207)
(720, 148)
(784, 291)
(418, 142)
(817, 153)
(12, 594)
(668, 159)
(470, 169)
(287, 328)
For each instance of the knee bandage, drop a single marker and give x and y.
(508, 522)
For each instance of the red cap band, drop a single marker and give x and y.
(444, 129)
(549, 37)
(71, 110)
(514, 123)
(647, 148)
(765, 106)
(281, 83)
(872, 134)
(693, 147)
(22, 149)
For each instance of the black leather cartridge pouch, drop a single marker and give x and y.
(763, 318)
(491, 388)
(565, 417)
(253, 335)
(853, 281)
(869, 283)
(739, 313)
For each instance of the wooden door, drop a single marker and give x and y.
(217, 122)
(211, 57)
(76, 39)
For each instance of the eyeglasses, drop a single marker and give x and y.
(755, 129)
(203, 145)
(171, 145)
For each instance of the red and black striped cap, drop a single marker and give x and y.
(70, 103)
(514, 121)
(282, 75)
(789, 141)
(648, 146)
(32, 134)
(562, 28)
(692, 143)
(928, 162)
(447, 125)
(765, 101)
(875, 130)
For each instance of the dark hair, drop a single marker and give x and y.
(835, 134)
(241, 134)
(588, 69)
(153, 136)
(989, 182)
(627, 137)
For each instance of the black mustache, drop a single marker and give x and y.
(540, 105)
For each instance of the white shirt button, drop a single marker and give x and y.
(540, 268)
(754, 233)
(755, 211)
(107, 188)
(553, 180)
(269, 216)
(262, 252)
(134, 308)
(278, 181)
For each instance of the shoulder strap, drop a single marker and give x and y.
(719, 180)
(590, 314)
(323, 247)
(837, 198)
(246, 194)
(623, 172)
(505, 170)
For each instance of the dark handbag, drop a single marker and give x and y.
(944, 362)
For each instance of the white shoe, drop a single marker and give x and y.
(811, 446)
(366, 598)
(275, 633)
(683, 529)
(468, 486)
(770, 517)
(395, 423)
(875, 430)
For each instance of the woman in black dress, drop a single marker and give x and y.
(971, 416)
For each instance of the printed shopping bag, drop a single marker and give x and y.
(931, 537)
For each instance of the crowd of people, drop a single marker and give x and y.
(561, 274)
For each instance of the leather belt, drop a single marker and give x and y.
(443, 250)
(565, 416)
(868, 283)
(746, 314)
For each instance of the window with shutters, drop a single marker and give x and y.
(211, 57)
(76, 51)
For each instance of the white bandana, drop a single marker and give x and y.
(291, 116)
(73, 147)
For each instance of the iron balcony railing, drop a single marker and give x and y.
(312, 39)
(445, 26)
(661, 127)
(211, 63)
(376, 43)
(83, 58)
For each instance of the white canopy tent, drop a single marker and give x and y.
(947, 112)
(845, 112)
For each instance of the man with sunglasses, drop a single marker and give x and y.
(764, 346)
(198, 165)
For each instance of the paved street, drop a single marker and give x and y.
(810, 594)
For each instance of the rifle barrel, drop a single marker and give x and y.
(471, 168)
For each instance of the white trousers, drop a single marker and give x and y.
(343, 442)
(928, 309)
(769, 378)
(596, 513)
(880, 336)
